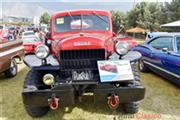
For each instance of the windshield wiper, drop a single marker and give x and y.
(100, 17)
(71, 16)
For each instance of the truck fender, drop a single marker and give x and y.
(132, 56)
(35, 63)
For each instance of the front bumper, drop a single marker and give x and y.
(66, 94)
(125, 94)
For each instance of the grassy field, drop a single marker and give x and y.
(161, 97)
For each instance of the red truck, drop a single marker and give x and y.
(66, 67)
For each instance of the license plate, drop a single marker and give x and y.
(82, 75)
(115, 70)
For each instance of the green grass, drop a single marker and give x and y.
(140, 41)
(161, 97)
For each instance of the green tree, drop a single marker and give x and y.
(118, 19)
(170, 11)
(45, 17)
(145, 15)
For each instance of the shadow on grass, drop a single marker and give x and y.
(2, 77)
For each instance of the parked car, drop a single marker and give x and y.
(3, 35)
(9, 51)
(161, 54)
(28, 34)
(30, 44)
(132, 42)
(66, 67)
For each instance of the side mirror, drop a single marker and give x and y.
(121, 27)
(48, 35)
(165, 50)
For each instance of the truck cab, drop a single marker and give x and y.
(71, 63)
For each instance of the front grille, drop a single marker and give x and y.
(81, 59)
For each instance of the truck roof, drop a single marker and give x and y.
(81, 11)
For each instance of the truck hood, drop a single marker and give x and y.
(82, 41)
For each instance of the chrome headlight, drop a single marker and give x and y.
(121, 47)
(42, 51)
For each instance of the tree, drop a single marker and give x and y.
(118, 19)
(145, 15)
(45, 17)
(171, 11)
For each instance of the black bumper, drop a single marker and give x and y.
(126, 94)
(66, 95)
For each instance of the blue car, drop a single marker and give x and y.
(161, 54)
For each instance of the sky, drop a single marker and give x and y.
(31, 8)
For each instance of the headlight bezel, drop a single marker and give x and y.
(43, 48)
(122, 47)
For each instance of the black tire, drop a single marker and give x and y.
(33, 80)
(136, 73)
(131, 108)
(12, 71)
(142, 67)
(37, 111)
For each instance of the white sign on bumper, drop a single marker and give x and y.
(119, 70)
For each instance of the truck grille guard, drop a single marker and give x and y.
(81, 60)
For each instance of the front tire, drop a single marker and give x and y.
(142, 67)
(131, 108)
(12, 71)
(33, 80)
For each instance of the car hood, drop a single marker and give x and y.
(81, 41)
(97, 35)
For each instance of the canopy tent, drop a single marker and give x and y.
(136, 30)
(172, 24)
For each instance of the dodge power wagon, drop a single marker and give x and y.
(10, 52)
(71, 61)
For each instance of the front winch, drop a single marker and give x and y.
(113, 101)
(48, 79)
(53, 102)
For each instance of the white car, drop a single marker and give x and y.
(28, 34)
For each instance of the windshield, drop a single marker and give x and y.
(28, 33)
(178, 44)
(86, 22)
(30, 40)
(1, 27)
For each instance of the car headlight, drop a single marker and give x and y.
(121, 47)
(42, 51)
